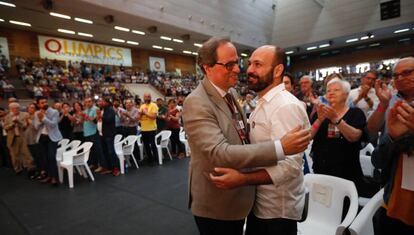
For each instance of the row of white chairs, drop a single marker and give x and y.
(325, 205)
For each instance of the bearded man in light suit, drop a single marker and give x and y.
(218, 137)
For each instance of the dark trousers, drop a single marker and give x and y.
(34, 151)
(278, 226)
(48, 154)
(4, 152)
(384, 225)
(109, 151)
(148, 139)
(96, 157)
(119, 130)
(176, 145)
(132, 131)
(77, 136)
(207, 226)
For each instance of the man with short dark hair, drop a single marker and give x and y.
(47, 120)
(217, 134)
(162, 115)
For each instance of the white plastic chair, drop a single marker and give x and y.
(165, 140)
(63, 142)
(128, 148)
(365, 159)
(326, 197)
(362, 225)
(66, 147)
(75, 157)
(141, 147)
(369, 148)
(183, 139)
(117, 138)
(120, 154)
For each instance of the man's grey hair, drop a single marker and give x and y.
(14, 105)
(409, 58)
(346, 87)
(306, 77)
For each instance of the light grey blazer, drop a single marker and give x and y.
(51, 121)
(214, 142)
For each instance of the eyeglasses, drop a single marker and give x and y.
(404, 73)
(229, 65)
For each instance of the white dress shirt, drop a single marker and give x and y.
(276, 113)
(278, 145)
(362, 104)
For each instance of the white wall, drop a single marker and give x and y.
(304, 21)
(248, 22)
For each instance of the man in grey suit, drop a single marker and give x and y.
(46, 121)
(218, 137)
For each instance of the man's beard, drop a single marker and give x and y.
(262, 83)
(147, 101)
(45, 107)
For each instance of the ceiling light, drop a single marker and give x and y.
(156, 47)
(404, 39)
(289, 52)
(165, 38)
(85, 34)
(243, 54)
(198, 45)
(132, 42)
(371, 36)
(401, 30)
(7, 4)
(311, 48)
(324, 45)
(1, 20)
(83, 20)
(352, 40)
(20, 23)
(121, 28)
(178, 40)
(59, 15)
(194, 53)
(375, 44)
(118, 40)
(364, 38)
(187, 52)
(168, 49)
(138, 32)
(66, 31)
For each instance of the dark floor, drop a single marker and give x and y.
(150, 200)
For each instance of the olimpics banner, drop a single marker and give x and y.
(157, 64)
(66, 49)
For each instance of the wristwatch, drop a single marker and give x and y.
(337, 122)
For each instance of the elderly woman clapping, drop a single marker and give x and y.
(337, 131)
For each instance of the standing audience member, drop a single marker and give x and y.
(77, 121)
(118, 110)
(148, 117)
(395, 153)
(31, 139)
(65, 123)
(46, 120)
(364, 96)
(107, 117)
(337, 130)
(97, 159)
(15, 123)
(162, 115)
(173, 118)
(307, 94)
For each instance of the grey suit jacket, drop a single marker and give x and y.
(51, 121)
(214, 142)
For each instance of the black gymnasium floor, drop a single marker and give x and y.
(150, 200)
